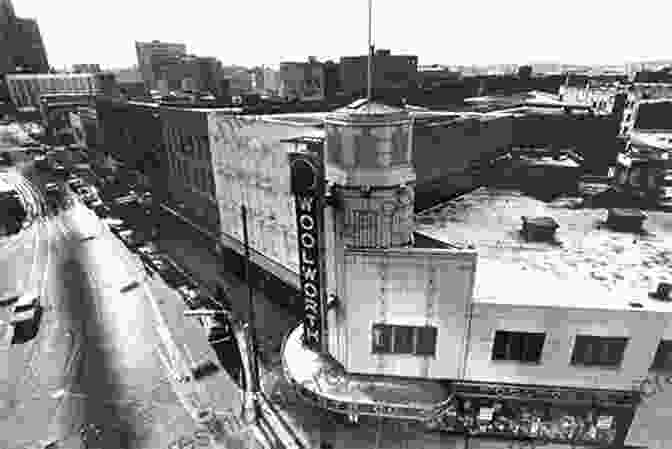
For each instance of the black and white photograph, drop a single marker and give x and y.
(362, 224)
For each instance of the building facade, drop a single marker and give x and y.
(152, 56)
(202, 74)
(189, 164)
(302, 81)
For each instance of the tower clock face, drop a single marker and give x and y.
(304, 176)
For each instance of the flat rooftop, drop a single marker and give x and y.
(589, 266)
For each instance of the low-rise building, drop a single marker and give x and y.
(25, 89)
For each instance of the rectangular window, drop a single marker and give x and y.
(382, 341)
(590, 350)
(518, 346)
(403, 338)
(426, 341)
(395, 339)
(663, 358)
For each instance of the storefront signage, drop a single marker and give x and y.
(540, 414)
(307, 177)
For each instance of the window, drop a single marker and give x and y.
(393, 339)
(518, 346)
(426, 341)
(590, 350)
(663, 358)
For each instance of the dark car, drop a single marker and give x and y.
(101, 209)
(42, 163)
(169, 272)
(130, 238)
(54, 193)
(5, 159)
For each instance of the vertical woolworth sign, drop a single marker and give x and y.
(307, 177)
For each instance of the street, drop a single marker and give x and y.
(104, 366)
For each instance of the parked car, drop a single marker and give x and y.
(5, 159)
(147, 249)
(93, 203)
(100, 209)
(41, 163)
(193, 296)
(116, 224)
(54, 194)
(169, 271)
(130, 238)
(75, 183)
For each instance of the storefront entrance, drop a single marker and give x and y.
(585, 417)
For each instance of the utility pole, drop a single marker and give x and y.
(253, 388)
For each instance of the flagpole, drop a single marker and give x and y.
(370, 62)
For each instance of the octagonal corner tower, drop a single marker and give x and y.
(369, 162)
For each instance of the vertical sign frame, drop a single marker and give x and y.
(307, 186)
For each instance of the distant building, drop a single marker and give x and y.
(25, 90)
(152, 56)
(391, 73)
(271, 81)
(86, 68)
(21, 45)
(302, 80)
(332, 79)
(435, 76)
(239, 79)
(193, 73)
(130, 83)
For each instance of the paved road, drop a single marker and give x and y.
(102, 359)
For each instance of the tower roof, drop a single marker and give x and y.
(364, 110)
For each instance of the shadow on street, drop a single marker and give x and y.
(101, 416)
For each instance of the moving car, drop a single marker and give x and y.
(26, 316)
(41, 162)
(54, 193)
(75, 183)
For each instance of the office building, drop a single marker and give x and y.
(153, 56)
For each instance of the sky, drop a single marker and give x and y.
(266, 32)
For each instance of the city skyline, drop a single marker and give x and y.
(513, 33)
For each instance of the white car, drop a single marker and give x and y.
(25, 308)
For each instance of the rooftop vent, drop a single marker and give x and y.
(626, 219)
(663, 293)
(539, 228)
